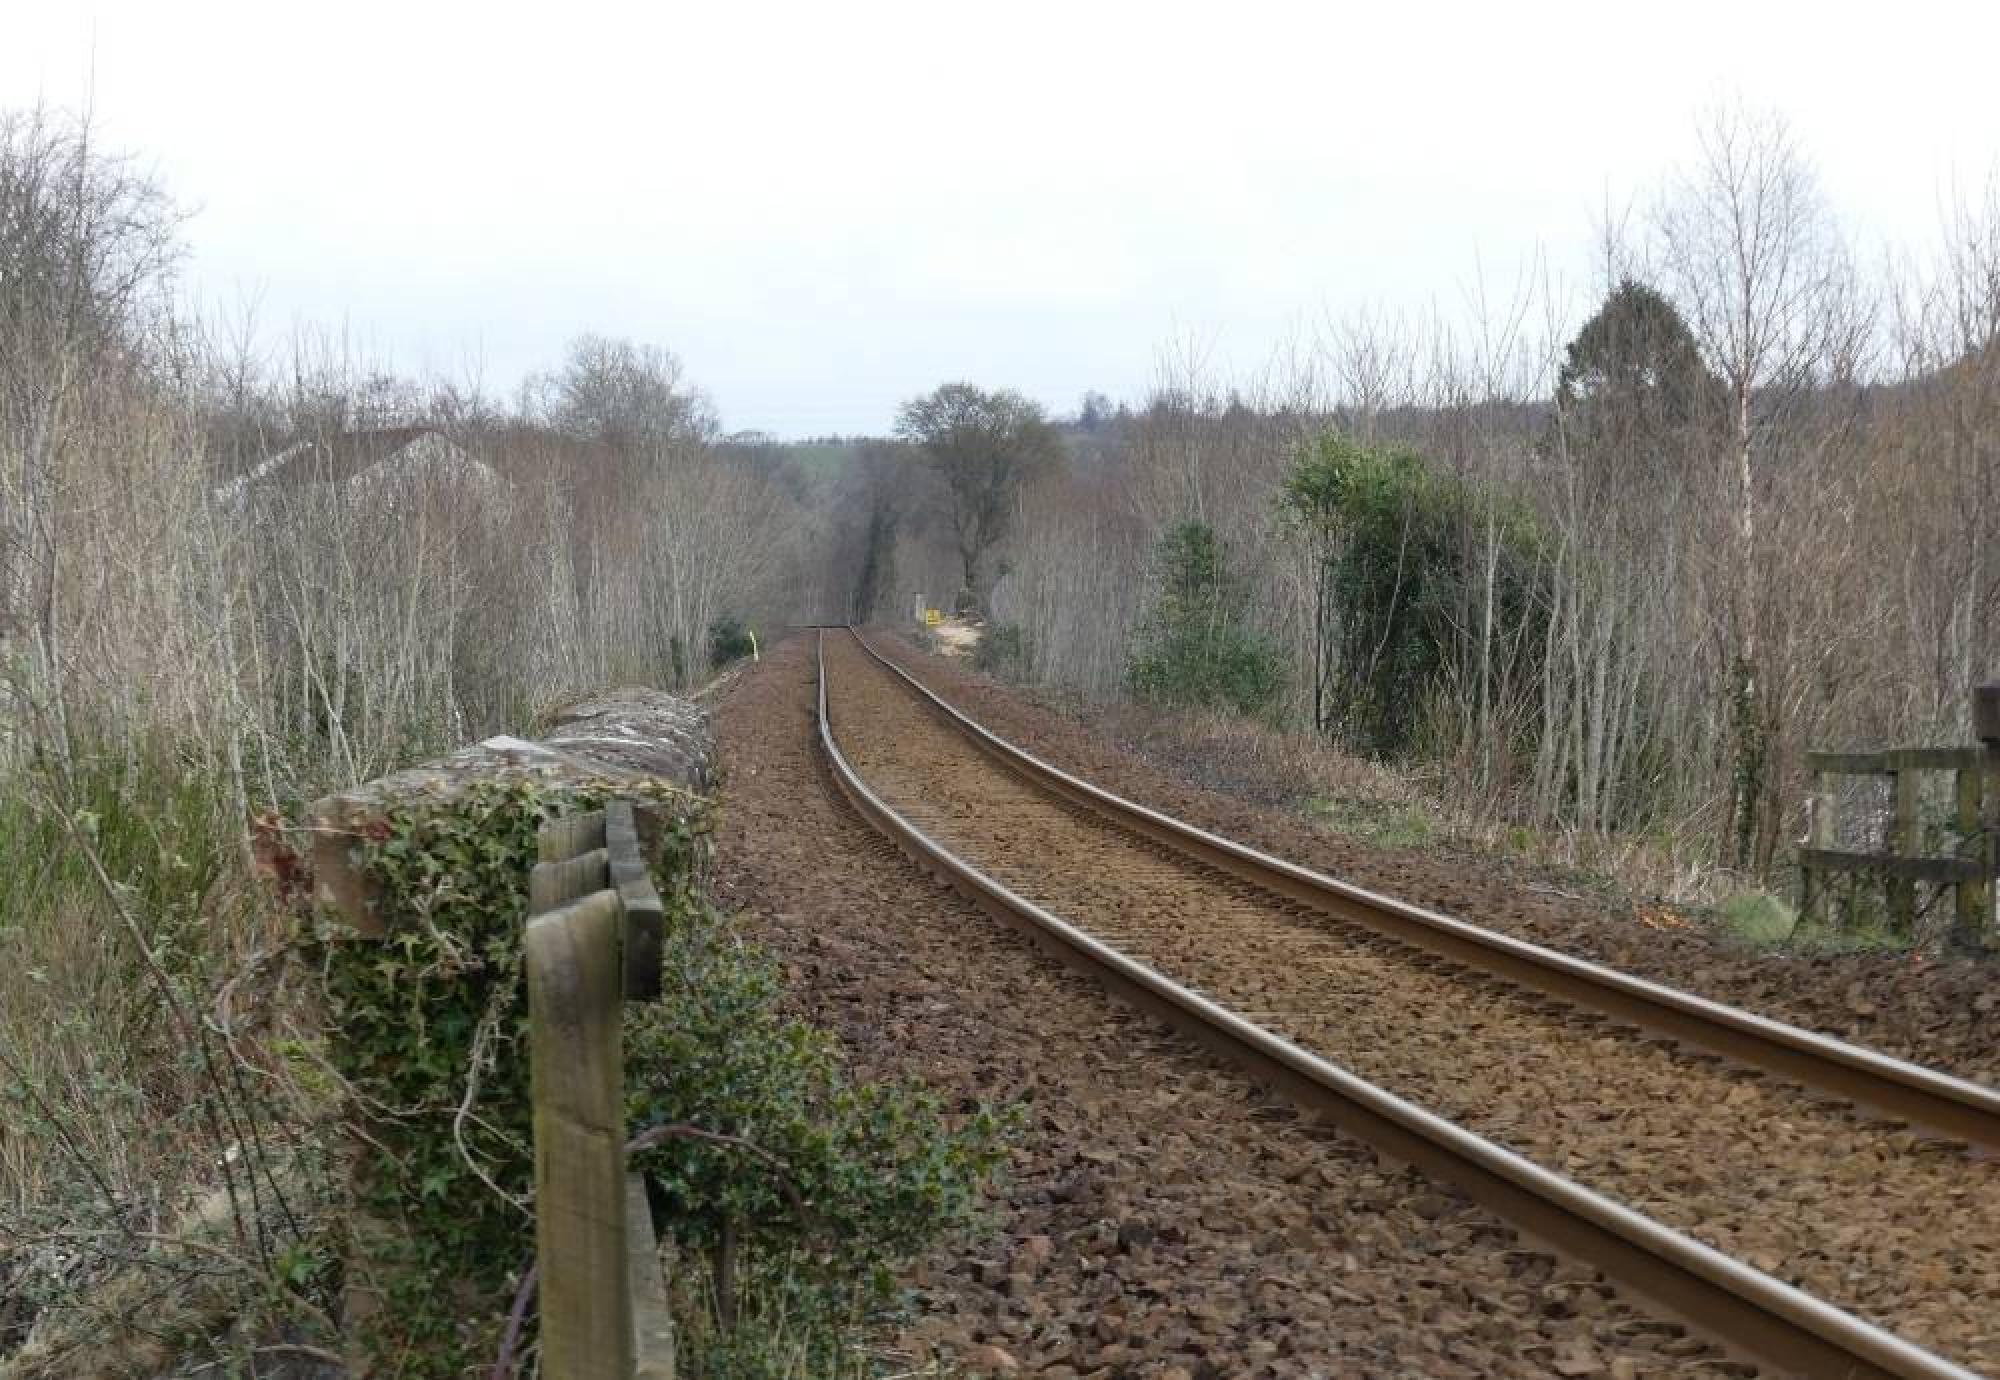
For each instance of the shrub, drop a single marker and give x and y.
(827, 1184)
(116, 1103)
(1759, 919)
(1197, 647)
(806, 1192)
(1399, 552)
(729, 640)
(1004, 651)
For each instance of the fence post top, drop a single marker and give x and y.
(1986, 712)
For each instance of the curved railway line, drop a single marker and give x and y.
(1781, 1199)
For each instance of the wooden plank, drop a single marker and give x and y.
(577, 1087)
(645, 916)
(1933, 759)
(621, 830)
(1986, 712)
(571, 835)
(1973, 899)
(1905, 841)
(652, 1323)
(1824, 805)
(1943, 870)
(645, 931)
(1847, 763)
(552, 884)
(1820, 833)
(1890, 760)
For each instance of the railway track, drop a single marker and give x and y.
(1583, 1105)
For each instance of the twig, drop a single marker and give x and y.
(314, 1353)
(517, 1317)
(489, 1022)
(655, 1135)
(192, 1030)
(28, 1088)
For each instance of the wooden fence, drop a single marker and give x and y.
(1967, 870)
(593, 942)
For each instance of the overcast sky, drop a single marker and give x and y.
(827, 208)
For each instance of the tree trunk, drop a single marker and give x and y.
(1745, 719)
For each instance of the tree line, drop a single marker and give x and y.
(233, 579)
(1609, 561)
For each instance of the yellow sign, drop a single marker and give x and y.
(932, 618)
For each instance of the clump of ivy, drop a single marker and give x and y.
(429, 1030)
(801, 1194)
(808, 1188)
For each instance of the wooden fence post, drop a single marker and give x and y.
(570, 836)
(575, 999)
(1904, 842)
(1976, 914)
(1820, 833)
(645, 916)
(652, 1320)
(1974, 894)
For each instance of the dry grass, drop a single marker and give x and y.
(140, 1016)
(1407, 808)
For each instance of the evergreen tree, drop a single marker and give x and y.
(1197, 647)
(1633, 386)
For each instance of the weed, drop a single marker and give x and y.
(1758, 919)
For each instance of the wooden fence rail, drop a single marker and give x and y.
(593, 941)
(1902, 864)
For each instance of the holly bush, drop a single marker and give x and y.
(825, 1184)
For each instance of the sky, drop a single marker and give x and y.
(826, 209)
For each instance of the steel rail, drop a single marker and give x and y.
(1757, 1315)
(1929, 1098)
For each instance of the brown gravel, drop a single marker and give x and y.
(1161, 1219)
(1944, 1012)
(1856, 1211)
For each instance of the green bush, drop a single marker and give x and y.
(1004, 651)
(827, 1184)
(94, 1056)
(817, 1188)
(1400, 553)
(1197, 647)
(156, 824)
(1759, 919)
(729, 640)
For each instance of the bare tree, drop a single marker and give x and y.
(86, 248)
(634, 398)
(1750, 251)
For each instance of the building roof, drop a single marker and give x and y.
(335, 458)
(355, 460)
